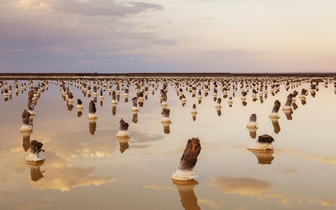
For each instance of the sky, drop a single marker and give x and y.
(110, 36)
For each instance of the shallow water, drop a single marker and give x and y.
(91, 169)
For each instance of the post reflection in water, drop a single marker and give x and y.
(114, 110)
(135, 117)
(219, 112)
(35, 171)
(187, 194)
(70, 107)
(264, 156)
(303, 101)
(79, 113)
(92, 126)
(253, 132)
(26, 141)
(276, 125)
(289, 114)
(295, 106)
(123, 145)
(166, 127)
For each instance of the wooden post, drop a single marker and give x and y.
(190, 154)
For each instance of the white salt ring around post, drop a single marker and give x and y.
(166, 121)
(193, 111)
(274, 115)
(26, 129)
(92, 117)
(260, 146)
(287, 109)
(252, 126)
(134, 109)
(122, 134)
(35, 157)
(184, 175)
(79, 107)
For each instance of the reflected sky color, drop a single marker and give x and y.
(82, 170)
(167, 36)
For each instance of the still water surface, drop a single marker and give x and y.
(86, 169)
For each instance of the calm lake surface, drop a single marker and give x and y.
(86, 167)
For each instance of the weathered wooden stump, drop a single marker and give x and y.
(188, 161)
(264, 142)
(35, 152)
(275, 110)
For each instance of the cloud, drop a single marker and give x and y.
(242, 186)
(153, 187)
(88, 8)
(41, 204)
(289, 170)
(105, 8)
(65, 179)
(305, 156)
(60, 175)
(322, 160)
(62, 34)
(232, 53)
(212, 203)
(323, 201)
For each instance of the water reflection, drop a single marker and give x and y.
(135, 117)
(35, 171)
(219, 112)
(26, 141)
(92, 126)
(91, 151)
(303, 101)
(264, 156)
(253, 132)
(114, 110)
(289, 114)
(276, 125)
(187, 194)
(166, 128)
(242, 185)
(295, 106)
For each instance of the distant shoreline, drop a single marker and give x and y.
(130, 75)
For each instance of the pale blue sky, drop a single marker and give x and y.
(167, 36)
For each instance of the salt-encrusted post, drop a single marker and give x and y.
(188, 161)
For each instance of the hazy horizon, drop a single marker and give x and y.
(109, 36)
